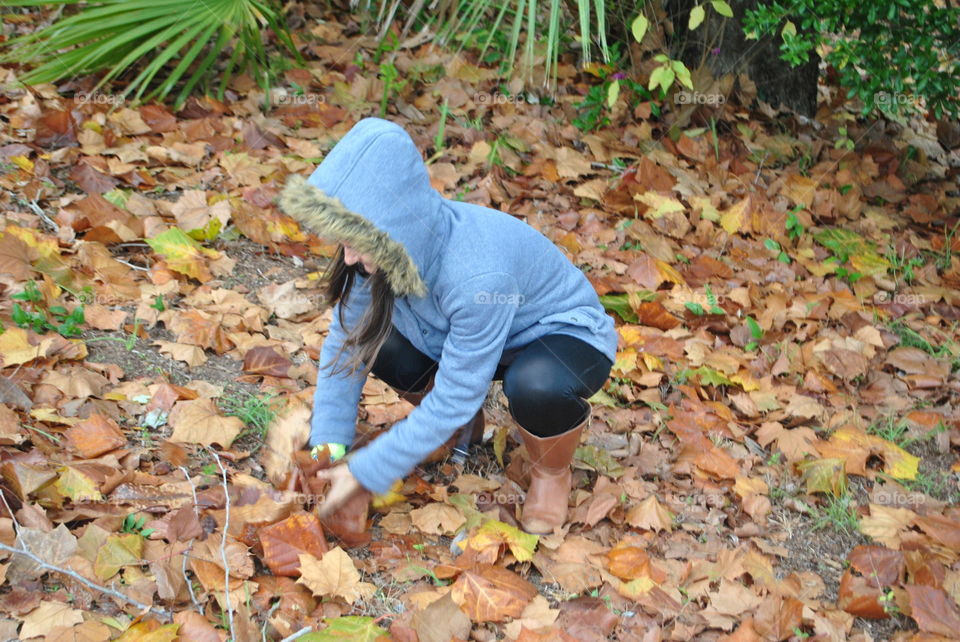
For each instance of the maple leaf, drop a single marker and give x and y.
(199, 422)
(333, 575)
(650, 514)
(95, 435)
(118, 551)
(491, 594)
(437, 519)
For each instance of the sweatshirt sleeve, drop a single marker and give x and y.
(336, 399)
(480, 312)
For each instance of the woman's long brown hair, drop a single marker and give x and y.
(365, 340)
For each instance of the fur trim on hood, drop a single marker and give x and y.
(328, 218)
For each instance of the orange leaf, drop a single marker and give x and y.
(933, 611)
(95, 436)
(858, 597)
(284, 541)
(491, 593)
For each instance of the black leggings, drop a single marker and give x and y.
(546, 382)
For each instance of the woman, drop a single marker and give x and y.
(438, 298)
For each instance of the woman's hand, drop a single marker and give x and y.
(343, 486)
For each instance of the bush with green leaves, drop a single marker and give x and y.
(896, 56)
(166, 41)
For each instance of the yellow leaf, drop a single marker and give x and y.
(77, 486)
(827, 475)
(391, 497)
(669, 273)
(697, 14)
(659, 204)
(494, 534)
(732, 218)
(118, 551)
(23, 163)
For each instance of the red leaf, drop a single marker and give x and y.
(933, 610)
(264, 360)
(879, 566)
(858, 597)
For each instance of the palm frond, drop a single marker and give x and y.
(118, 35)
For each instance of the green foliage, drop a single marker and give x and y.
(894, 55)
(133, 525)
(174, 39)
(56, 318)
(391, 83)
(755, 331)
(838, 513)
(593, 109)
(257, 412)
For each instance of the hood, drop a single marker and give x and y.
(373, 192)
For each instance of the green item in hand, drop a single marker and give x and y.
(336, 451)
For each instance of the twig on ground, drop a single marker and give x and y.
(36, 209)
(183, 569)
(193, 489)
(163, 613)
(223, 542)
(296, 635)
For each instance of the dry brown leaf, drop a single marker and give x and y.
(437, 519)
(199, 422)
(95, 435)
(334, 575)
(491, 593)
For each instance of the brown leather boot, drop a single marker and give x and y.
(474, 427)
(545, 506)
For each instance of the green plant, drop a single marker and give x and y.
(794, 227)
(888, 601)
(913, 339)
(774, 246)
(699, 310)
(133, 525)
(256, 412)
(56, 317)
(894, 55)
(838, 513)
(391, 83)
(938, 484)
(902, 268)
(843, 140)
(889, 428)
(175, 40)
(755, 331)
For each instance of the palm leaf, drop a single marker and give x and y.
(183, 38)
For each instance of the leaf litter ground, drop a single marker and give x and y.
(770, 370)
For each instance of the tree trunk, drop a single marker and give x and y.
(722, 44)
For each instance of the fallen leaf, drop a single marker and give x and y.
(491, 594)
(333, 575)
(199, 422)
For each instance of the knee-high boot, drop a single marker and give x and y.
(545, 505)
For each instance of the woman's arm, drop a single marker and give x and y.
(479, 327)
(337, 396)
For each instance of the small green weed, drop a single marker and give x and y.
(34, 317)
(256, 412)
(133, 525)
(839, 513)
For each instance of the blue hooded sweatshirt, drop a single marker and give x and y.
(471, 282)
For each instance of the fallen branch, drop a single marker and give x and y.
(163, 613)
